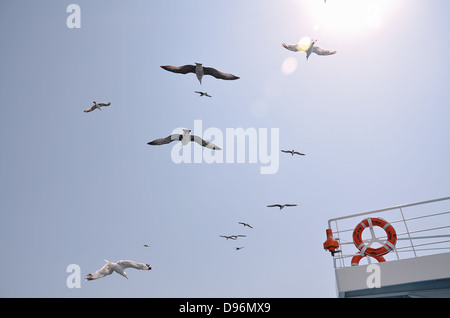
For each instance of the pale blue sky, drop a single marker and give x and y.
(78, 188)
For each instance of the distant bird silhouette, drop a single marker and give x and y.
(96, 106)
(118, 267)
(146, 245)
(307, 45)
(232, 237)
(185, 138)
(203, 94)
(238, 248)
(199, 70)
(281, 206)
(292, 152)
(245, 224)
(229, 237)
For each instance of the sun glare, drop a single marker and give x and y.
(350, 15)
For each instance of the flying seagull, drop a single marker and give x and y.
(236, 236)
(292, 152)
(245, 224)
(307, 45)
(199, 70)
(146, 245)
(118, 267)
(238, 248)
(281, 206)
(203, 94)
(232, 237)
(99, 106)
(185, 138)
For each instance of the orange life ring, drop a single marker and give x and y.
(358, 257)
(370, 222)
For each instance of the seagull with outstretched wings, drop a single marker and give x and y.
(96, 106)
(185, 138)
(293, 152)
(306, 44)
(281, 206)
(118, 267)
(229, 237)
(203, 94)
(246, 224)
(199, 70)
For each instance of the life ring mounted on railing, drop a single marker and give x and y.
(386, 247)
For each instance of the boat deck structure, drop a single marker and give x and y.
(416, 265)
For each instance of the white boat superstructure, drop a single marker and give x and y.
(410, 244)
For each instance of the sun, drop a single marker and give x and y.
(350, 15)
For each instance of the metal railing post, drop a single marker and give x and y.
(409, 235)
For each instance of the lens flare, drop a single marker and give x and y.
(289, 65)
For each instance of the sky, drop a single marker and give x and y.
(78, 188)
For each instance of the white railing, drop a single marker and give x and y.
(422, 228)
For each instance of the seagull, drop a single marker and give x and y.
(99, 106)
(118, 267)
(146, 245)
(199, 70)
(238, 248)
(307, 45)
(232, 237)
(203, 94)
(281, 206)
(184, 138)
(292, 152)
(245, 224)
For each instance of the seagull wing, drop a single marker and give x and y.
(104, 104)
(107, 269)
(287, 151)
(179, 69)
(299, 153)
(290, 47)
(321, 51)
(274, 205)
(163, 141)
(218, 74)
(89, 109)
(204, 143)
(290, 205)
(133, 264)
